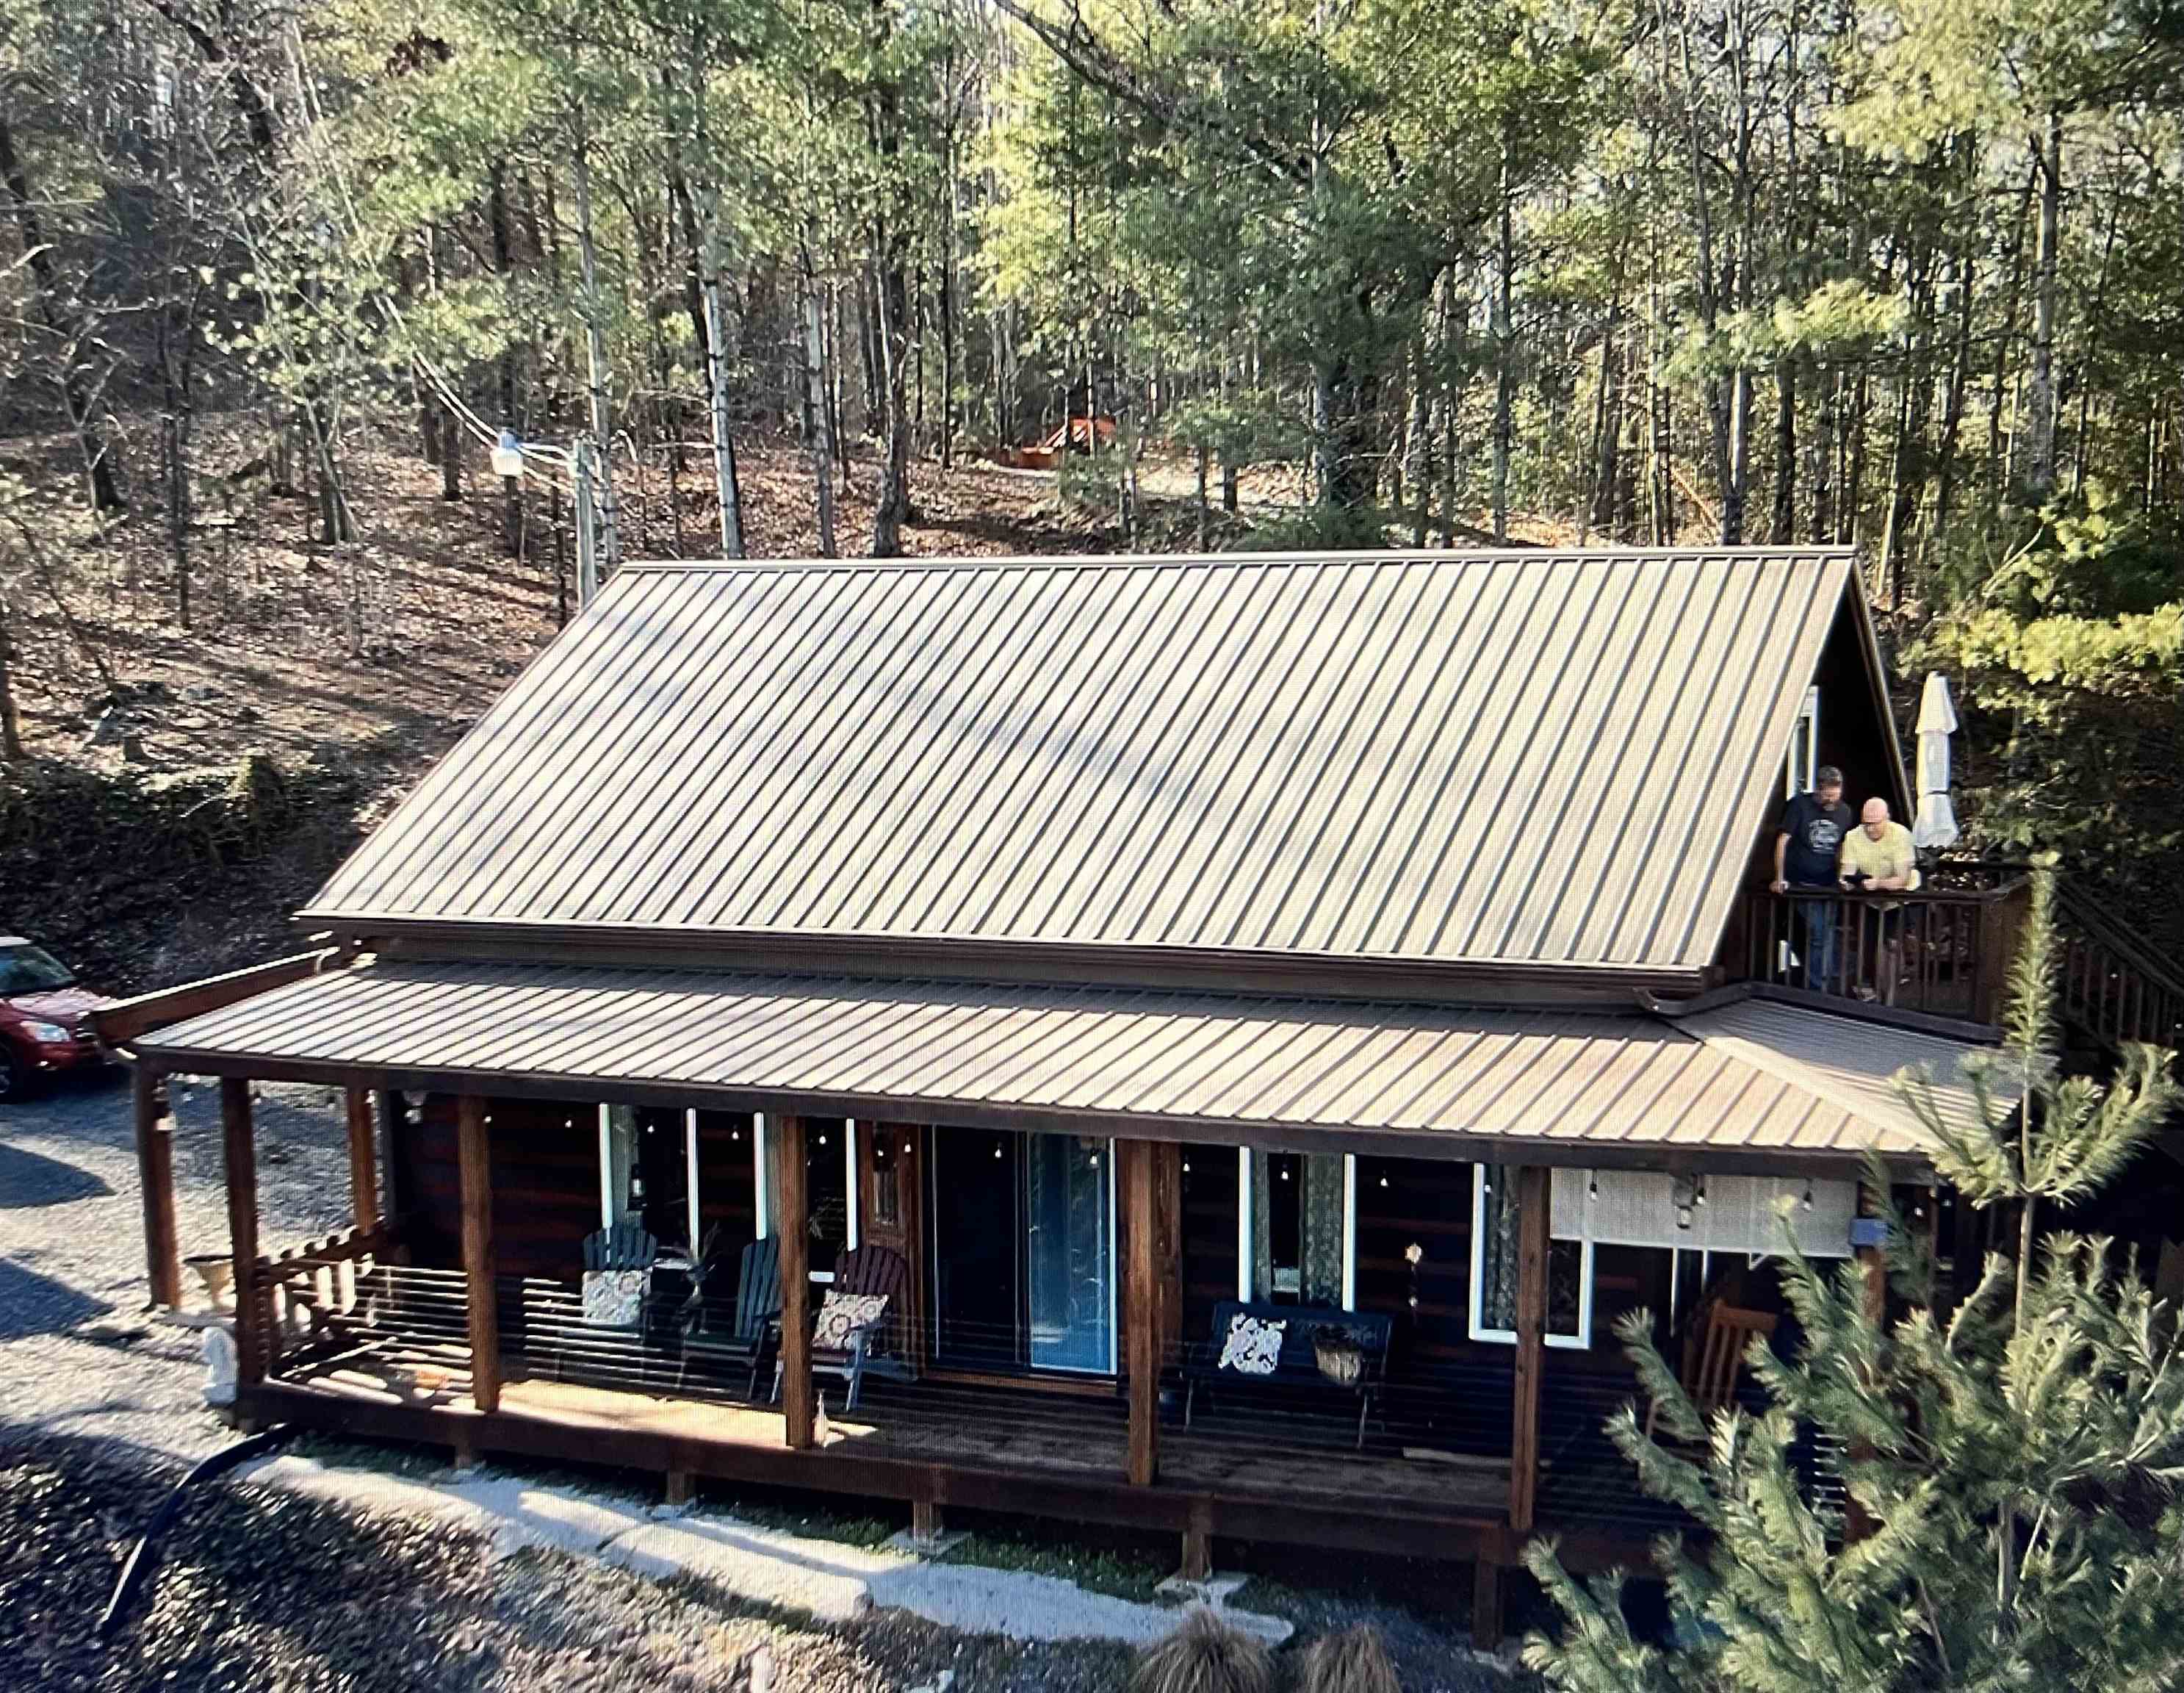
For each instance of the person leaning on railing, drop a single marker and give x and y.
(1808, 854)
(1879, 857)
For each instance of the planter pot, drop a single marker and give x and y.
(216, 1272)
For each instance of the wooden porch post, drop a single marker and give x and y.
(239, 1151)
(363, 1160)
(1873, 1260)
(473, 1158)
(791, 1227)
(1532, 1199)
(1141, 1308)
(155, 1175)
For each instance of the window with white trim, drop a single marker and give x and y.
(830, 1183)
(1296, 1233)
(1494, 1217)
(1802, 766)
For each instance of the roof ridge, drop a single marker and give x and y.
(1169, 560)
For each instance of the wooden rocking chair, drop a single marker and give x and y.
(877, 1270)
(1711, 1373)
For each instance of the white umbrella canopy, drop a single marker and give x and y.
(1936, 826)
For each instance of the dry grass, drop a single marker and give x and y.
(1352, 1662)
(1204, 1655)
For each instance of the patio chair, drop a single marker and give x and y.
(617, 1280)
(868, 1272)
(1711, 1373)
(751, 1334)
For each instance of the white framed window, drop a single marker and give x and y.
(1296, 1227)
(690, 1156)
(1802, 766)
(1493, 1237)
(818, 1149)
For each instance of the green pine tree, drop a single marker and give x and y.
(2019, 1466)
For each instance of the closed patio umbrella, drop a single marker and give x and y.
(1936, 826)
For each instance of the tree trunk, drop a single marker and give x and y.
(11, 725)
(893, 508)
(173, 325)
(597, 376)
(1782, 523)
(451, 454)
(65, 326)
(2040, 456)
(1505, 365)
(817, 426)
(503, 265)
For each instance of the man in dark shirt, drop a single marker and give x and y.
(1808, 846)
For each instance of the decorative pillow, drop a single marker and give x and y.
(615, 1299)
(842, 1314)
(1253, 1346)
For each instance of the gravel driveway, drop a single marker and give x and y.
(75, 1348)
(102, 1409)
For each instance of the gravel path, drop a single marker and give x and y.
(263, 1588)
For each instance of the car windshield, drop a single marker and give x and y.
(31, 969)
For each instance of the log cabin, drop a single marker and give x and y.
(1259, 1021)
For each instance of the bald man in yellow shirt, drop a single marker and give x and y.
(1879, 857)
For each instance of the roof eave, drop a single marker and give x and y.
(1447, 1145)
(969, 958)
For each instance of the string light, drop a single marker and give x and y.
(1806, 1204)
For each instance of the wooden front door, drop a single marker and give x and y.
(890, 1189)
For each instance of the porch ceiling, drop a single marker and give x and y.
(1565, 1088)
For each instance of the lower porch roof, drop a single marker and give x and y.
(1752, 1084)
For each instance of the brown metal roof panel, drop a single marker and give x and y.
(1391, 756)
(1746, 1078)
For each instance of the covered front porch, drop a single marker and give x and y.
(359, 1342)
(1463, 1198)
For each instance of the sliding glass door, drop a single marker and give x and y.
(1069, 1227)
(1023, 1251)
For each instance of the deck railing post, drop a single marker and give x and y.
(791, 1227)
(1141, 1313)
(239, 1153)
(363, 1160)
(155, 1175)
(1532, 1202)
(473, 1157)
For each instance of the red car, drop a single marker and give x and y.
(45, 1018)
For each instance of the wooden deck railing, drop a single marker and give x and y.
(2115, 988)
(308, 1291)
(1942, 949)
(1946, 949)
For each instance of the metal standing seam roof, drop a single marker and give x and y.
(1855, 1061)
(1619, 1085)
(1556, 758)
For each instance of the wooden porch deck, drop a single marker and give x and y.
(978, 1446)
(1036, 1434)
